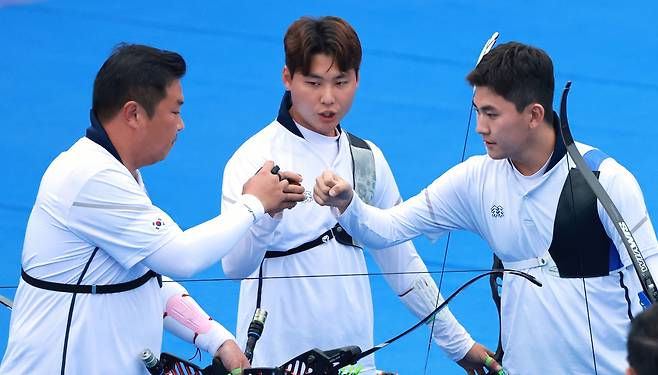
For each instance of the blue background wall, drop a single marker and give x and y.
(413, 102)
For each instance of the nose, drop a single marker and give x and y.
(481, 126)
(327, 97)
(181, 125)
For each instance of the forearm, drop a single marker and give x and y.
(186, 319)
(203, 245)
(249, 251)
(422, 298)
(378, 228)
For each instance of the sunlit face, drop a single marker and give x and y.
(504, 130)
(161, 130)
(322, 98)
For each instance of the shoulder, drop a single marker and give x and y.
(256, 146)
(471, 175)
(367, 144)
(599, 160)
(84, 161)
(87, 174)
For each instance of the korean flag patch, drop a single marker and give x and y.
(158, 223)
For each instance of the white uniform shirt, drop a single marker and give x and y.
(544, 329)
(88, 199)
(316, 312)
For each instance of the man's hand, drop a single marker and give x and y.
(331, 190)
(275, 191)
(231, 356)
(476, 362)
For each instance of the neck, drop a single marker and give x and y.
(122, 143)
(536, 151)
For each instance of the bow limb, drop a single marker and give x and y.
(639, 264)
(6, 302)
(648, 285)
(444, 304)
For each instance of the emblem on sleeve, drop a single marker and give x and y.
(158, 223)
(497, 211)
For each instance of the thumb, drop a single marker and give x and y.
(335, 190)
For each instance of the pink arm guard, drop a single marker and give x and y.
(185, 311)
(186, 319)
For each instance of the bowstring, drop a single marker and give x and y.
(580, 259)
(487, 47)
(356, 274)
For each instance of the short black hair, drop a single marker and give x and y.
(643, 342)
(135, 72)
(520, 73)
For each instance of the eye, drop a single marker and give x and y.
(342, 83)
(313, 83)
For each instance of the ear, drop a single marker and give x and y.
(131, 114)
(536, 113)
(630, 371)
(286, 77)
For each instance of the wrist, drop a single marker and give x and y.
(253, 205)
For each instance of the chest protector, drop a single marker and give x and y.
(580, 246)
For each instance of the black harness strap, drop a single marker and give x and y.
(91, 289)
(68, 321)
(78, 288)
(336, 232)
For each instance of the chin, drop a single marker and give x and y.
(496, 156)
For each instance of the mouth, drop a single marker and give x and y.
(327, 115)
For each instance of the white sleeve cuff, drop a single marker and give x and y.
(213, 339)
(451, 336)
(253, 205)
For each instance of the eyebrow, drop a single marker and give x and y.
(339, 76)
(484, 108)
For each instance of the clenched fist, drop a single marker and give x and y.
(332, 190)
(275, 191)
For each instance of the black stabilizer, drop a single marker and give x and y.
(253, 333)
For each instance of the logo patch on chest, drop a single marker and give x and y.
(497, 211)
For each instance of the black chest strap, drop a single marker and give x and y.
(90, 289)
(336, 232)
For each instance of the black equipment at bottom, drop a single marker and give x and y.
(315, 361)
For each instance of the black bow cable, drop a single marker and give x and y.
(429, 317)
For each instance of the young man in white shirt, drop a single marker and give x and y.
(281, 256)
(537, 215)
(91, 297)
